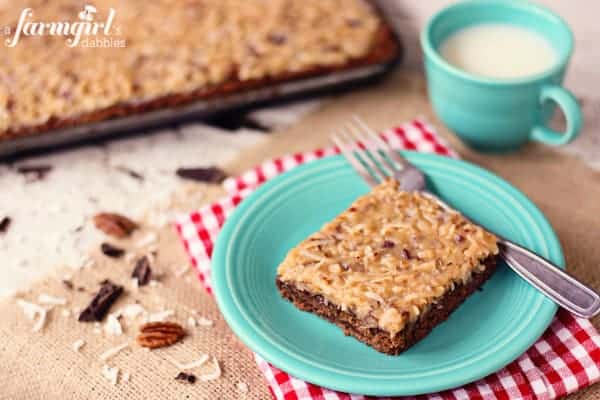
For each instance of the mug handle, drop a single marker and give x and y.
(570, 108)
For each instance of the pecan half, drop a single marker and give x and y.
(160, 334)
(114, 224)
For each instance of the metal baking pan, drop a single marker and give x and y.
(197, 110)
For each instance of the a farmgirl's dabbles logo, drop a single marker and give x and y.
(83, 32)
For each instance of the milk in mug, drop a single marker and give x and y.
(495, 50)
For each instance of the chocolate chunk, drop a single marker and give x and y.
(235, 121)
(277, 38)
(142, 271)
(252, 50)
(4, 224)
(100, 304)
(388, 244)
(111, 251)
(131, 173)
(353, 22)
(34, 172)
(68, 284)
(406, 254)
(189, 378)
(209, 175)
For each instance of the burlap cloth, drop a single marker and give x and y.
(43, 365)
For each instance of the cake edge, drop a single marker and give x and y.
(377, 338)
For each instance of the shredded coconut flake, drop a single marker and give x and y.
(154, 283)
(135, 284)
(310, 256)
(181, 271)
(125, 376)
(160, 316)
(40, 322)
(87, 262)
(55, 301)
(191, 322)
(113, 351)
(211, 376)
(111, 373)
(150, 254)
(194, 364)
(66, 312)
(242, 387)
(374, 296)
(132, 311)
(82, 262)
(147, 240)
(130, 257)
(30, 309)
(33, 311)
(78, 344)
(204, 322)
(113, 326)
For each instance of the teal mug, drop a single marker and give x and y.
(498, 115)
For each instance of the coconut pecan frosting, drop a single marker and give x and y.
(389, 256)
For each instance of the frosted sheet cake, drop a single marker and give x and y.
(389, 268)
(168, 53)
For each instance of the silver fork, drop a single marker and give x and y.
(383, 162)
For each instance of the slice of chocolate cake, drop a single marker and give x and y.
(390, 268)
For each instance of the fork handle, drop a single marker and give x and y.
(559, 286)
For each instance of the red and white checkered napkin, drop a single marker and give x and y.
(565, 359)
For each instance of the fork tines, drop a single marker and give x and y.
(370, 156)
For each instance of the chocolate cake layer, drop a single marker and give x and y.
(377, 338)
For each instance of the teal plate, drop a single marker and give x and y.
(491, 329)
